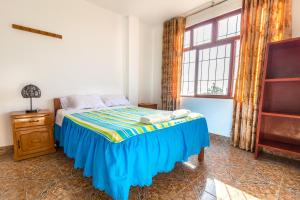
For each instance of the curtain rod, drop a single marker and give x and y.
(201, 10)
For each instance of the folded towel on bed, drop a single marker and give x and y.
(155, 118)
(180, 113)
(164, 117)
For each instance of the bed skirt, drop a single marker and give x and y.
(115, 167)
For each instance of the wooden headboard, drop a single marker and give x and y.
(57, 105)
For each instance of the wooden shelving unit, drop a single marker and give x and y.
(280, 146)
(279, 110)
(280, 115)
(282, 79)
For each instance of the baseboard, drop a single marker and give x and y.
(6, 150)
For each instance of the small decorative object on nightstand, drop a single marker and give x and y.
(32, 133)
(148, 105)
(31, 91)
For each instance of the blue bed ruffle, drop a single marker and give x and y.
(115, 167)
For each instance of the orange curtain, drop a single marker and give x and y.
(172, 62)
(263, 21)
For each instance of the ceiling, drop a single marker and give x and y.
(151, 11)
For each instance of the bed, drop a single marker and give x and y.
(118, 152)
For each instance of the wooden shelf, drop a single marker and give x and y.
(279, 110)
(270, 114)
(280, 146)
(272, 80)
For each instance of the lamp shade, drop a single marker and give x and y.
(31, 91)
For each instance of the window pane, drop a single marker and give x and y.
(206, 54)
(220, 70)
(186, 57)
(225, 86)
(200, 55)
(227, 65)
(232, 22)
(221, 51)
(212, 70)
(204, 70)
(222, 28)
(202, 34)
(210, 88)
(187, 39)
(203, 87)
(228, 51)
(229, 27)
(219, 87)
(213, 53)
(213, 74)
(192, 72)
(184, 88)
(191, 88)
(188, 73)
(236, 64)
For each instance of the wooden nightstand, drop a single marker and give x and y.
(148, 105)
(32, 133)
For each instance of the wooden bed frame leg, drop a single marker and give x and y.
(201, 155)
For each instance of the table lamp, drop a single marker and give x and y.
(31, 91)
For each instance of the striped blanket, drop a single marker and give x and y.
(119, 124)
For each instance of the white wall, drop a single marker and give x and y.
(89, 58)
(157, 36)
(133, 59)
(218, 113)
(145, 63)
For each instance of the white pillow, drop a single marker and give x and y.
(115, 100)
(64, 103)
(82, 102)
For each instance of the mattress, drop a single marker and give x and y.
(121, 123)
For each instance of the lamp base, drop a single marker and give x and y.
(32, 111)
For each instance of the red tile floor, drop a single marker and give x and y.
(226, 173)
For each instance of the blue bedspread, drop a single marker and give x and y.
(115, 167)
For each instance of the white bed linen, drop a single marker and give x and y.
(60, 114)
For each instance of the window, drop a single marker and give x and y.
(211, 56)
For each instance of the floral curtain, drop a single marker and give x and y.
(171, 62)
(262, 21)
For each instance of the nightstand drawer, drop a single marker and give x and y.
(34, 140)
(33, 121)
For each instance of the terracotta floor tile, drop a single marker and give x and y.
(289, 194)
(12, 189)
(37, 188)
(164, 189)
(186, 194)
(226, 173)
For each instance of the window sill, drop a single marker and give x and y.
(209, 97)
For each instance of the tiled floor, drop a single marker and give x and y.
(226, 173)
